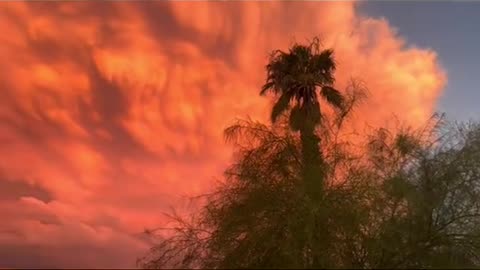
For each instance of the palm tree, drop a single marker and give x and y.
(297, 77)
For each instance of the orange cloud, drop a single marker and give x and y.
(115, 110)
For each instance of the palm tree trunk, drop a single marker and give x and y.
(313, 163)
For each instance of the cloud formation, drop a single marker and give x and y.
(111, 112)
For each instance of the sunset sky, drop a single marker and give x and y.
(112, 112)
(450, 29)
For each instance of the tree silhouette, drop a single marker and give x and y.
(401, 198)
(295, 77)
(424, 210)
(409, 199)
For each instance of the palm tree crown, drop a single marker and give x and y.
(296, 76)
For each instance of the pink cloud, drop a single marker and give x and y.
(116, 109)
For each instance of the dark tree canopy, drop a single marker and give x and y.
(410, 199)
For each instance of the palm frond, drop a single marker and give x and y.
(332, 96)
(280, 106)
(266, 87)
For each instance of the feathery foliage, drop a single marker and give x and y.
(410, 199)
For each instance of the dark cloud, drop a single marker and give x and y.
(11, 190)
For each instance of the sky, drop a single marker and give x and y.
(450, 29)
(112, 112)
